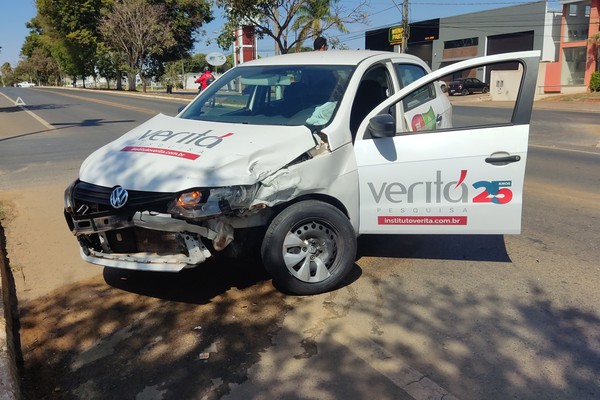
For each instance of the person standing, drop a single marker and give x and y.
(320, 44)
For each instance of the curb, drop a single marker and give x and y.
(9, 326)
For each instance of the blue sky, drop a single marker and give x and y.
(14, 14)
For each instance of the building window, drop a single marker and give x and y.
(573, 70)
(572, 10)
(454, 44)
(577, 22)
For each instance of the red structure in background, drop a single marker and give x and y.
(592, 49)
(244, 46)
(576, 52)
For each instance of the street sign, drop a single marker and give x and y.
(395, 35)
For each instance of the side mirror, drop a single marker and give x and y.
(382, 126)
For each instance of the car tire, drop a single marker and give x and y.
(309, 248)
(464, 92)
(485, 89)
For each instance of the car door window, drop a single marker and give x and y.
(426, 110)
(407, 74)
(373, 89)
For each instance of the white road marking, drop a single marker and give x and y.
(21, 103)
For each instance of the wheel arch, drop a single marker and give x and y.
(315, 196)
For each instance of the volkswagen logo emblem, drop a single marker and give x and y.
(118, 197)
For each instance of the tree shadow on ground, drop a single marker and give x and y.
(472, 344)
(37, 107)
(94, 341)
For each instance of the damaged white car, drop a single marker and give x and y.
(303, 152)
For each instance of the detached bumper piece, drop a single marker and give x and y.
(144, 249)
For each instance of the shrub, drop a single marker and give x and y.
(595, 82)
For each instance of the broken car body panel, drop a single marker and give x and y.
(169, 154)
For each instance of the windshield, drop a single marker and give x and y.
(274, 95)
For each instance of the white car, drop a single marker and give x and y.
(297, 155)
(25, 84)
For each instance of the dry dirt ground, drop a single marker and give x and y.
(93, 334)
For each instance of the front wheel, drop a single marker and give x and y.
(465, 92)
(309, 248)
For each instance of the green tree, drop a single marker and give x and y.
(7, 75)
(72, 27)
(41, 67)
(108, 64)
(288, 22)
(186, 18)
(315, 17)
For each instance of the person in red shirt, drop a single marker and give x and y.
(205, 79)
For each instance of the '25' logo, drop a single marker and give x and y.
(496, 192)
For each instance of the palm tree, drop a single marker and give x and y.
(315, 17)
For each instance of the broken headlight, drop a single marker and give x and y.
(204, 203)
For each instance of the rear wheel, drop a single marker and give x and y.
(309, 248)
(486, 89)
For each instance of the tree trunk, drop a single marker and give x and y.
(119, 80)
(131, 81)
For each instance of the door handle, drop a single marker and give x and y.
(438, 119)
(503, 160)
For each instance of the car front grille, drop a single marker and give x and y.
(96, 198)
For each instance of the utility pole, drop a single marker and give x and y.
(405, 26)
(276, 28)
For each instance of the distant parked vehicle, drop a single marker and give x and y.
(467, 86)
(25, 84)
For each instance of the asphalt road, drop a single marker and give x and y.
(423, 316)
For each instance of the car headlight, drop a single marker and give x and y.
(204, 203)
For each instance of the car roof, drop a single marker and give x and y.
(332, 57)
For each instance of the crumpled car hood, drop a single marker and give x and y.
(169, 154)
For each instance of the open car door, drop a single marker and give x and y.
(466, 178)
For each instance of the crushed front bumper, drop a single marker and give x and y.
(142, 235)
(144, 241)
